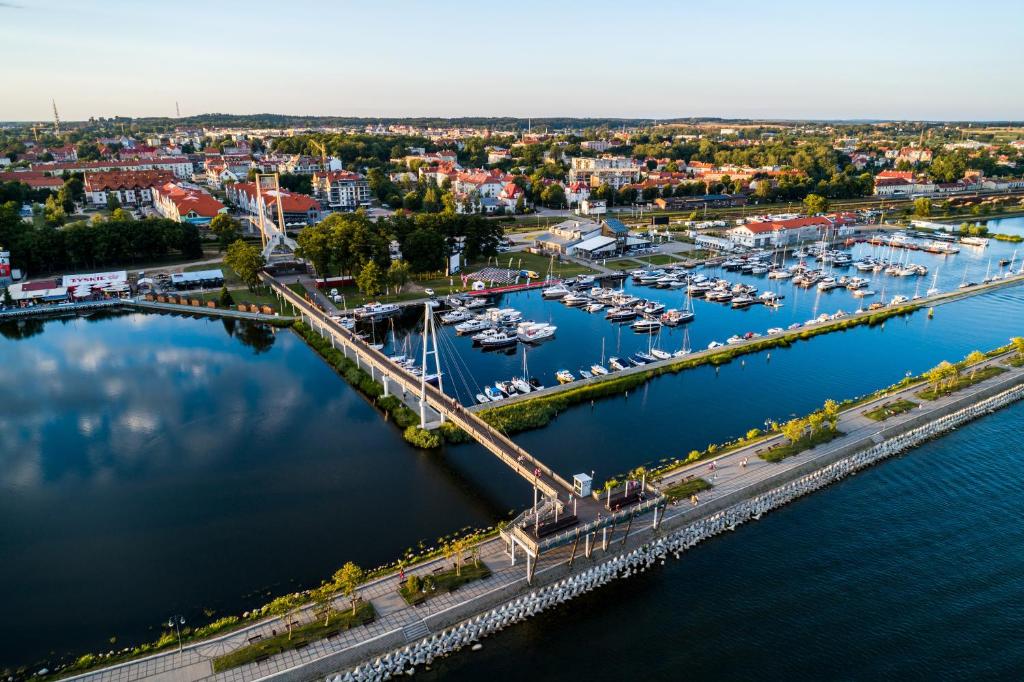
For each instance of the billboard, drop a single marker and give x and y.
(101, 278)
(659, 220)
(5, 265)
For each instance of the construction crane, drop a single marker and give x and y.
(323, 152)
(56, 118)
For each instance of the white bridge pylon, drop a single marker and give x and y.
(429, 349)
(272, 233)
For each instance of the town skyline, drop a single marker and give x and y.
(803, 62)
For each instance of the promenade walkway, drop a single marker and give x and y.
(398, 624)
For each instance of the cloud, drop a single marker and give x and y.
(11, 5)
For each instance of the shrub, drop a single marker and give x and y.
(421, 438)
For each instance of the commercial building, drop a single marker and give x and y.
(564, 236)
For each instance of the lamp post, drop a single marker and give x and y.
(176, 622)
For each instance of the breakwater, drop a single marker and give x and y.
(724, 515)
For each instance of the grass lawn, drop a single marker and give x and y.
(444, 581)
(658, 259)
(1016, 361)
(524, 260)
(886, 410)
(260, 297)
(963, 381)
(781, 452)
(623, 264)
(684, 490)
(301, 636)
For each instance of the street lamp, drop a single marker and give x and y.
(176, 622)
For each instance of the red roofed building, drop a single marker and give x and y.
(510, 195)
(779, 232)
(299, 209)
(186, 204)
(131, 188)
(34, 179)
(179, 165)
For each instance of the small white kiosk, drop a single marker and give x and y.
(581, 484)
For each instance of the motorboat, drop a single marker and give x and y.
(715, 344)
(493, 393)
(742, 301)
(620, 314)
(898, 300)
(827, 284)
(675, 317)
(556, 291)
(375, 311)
(535, 333)
(646, 326)
(775, 330)
(653, 308)
(482, 398)
(660, 354)
(780, 273)
(471, 326)
(506, 388)
(616, 364)
(564, 376)
(575, 300)
(862, 293)
(734, 339)
(598, 370)
(593, 307)
(456, 316)
(641, 358)
(586, 374)
(500, 339)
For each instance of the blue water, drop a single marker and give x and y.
(154, 464)
(913, 569)
(582, 336)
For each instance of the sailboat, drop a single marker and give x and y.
(525, 384)
(685, 348)
(599, 368)
(934, 289)
(988, 273)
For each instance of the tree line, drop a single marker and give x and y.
(345, 242)
(42, 248)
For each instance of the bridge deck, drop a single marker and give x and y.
(515, 457)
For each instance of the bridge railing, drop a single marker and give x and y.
(499, 444)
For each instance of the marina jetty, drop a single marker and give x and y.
(737, 487)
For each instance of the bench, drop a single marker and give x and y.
(255, 638)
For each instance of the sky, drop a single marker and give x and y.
(904, 59)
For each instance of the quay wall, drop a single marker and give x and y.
(465, 624)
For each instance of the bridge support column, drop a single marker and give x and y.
(513, 552)
(530, 565)
(423, 413)
(587, 547)
(604, 538)
(384, 381)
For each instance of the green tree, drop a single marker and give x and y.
(121, 214)
(226, 229)
(398, 274)
(323, 599)
(348, 578)
(54, 212)
(922, 207)
(284, 608)
(794, 430)
(316, 244)
(371, 279)
(113, 202)
(831, 412)
(973, 360)
(247, 261)
(225, 299)
(815, 203)
(1018, 345)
